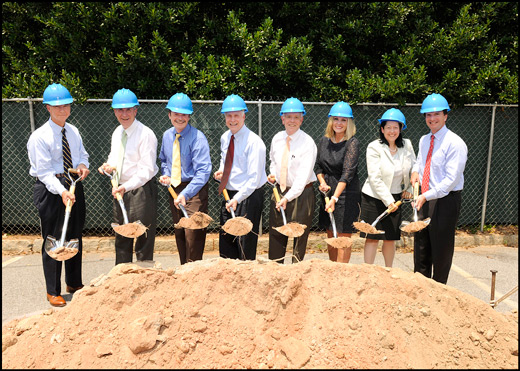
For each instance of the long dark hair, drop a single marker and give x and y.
(398, 142)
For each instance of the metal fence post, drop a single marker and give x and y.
(488, 170)
(31, 114)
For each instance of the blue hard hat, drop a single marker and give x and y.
(433, 103)
(56, 95)
(393, 114)
(341, 109)
(232, 103)
(124, 98)
(292, 105)
(180, 103)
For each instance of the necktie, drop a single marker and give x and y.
(121, 158)
(176, 162)
(228, 163)
(285, 161)
(426, 176)
(67, 157)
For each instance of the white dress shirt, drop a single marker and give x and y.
(449, 157)
(302, 157)
(46, 153)
(140, 161)
(248, 170)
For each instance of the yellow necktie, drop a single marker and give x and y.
(285, 162)
(121, 158)
(176, 162)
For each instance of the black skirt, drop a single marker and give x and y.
(371, 208)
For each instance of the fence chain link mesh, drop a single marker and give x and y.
(96, 122)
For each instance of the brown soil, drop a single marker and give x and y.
(130, 230)
(414, 227)
(365, 227)
(62, 253)
(339, 242)
(291, 229)
(238, 226)
(223, 313)
(198, 220)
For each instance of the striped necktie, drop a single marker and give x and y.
(426, 176)
(67, 157)
(176, 162)
(228, 163)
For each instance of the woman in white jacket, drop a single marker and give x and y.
(389, 164)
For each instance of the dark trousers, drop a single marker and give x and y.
(434, 246)
(190, 242)
(242, 247)
(299, 210)
(140, 204)
(51, 211)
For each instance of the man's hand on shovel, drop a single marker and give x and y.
(66, 196)
(282, 202)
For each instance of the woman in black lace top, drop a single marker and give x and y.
(336, 170)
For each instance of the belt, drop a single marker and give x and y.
(60, 175)
(307, 186)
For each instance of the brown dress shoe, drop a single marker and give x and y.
(56, 301)
(72, 290)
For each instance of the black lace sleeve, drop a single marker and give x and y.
(350, 164)
(318, 169)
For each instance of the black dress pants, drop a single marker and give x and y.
(434, 245)
(51, 211)
(242, 247)
(140, 204)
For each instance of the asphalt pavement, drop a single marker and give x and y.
(24, 294)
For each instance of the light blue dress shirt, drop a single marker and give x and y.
(46, 154)
(449, 157)
(195, 159)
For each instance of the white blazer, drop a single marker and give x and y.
(380, 168)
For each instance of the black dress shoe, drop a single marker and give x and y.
(72, 290)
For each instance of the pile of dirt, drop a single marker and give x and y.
(223, 313)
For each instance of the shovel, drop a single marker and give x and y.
(416, 225)
(237, 226)
(292, 229)
(198, 220)
(336, 242)
(371, 228)
(129, 230)
(63, 250)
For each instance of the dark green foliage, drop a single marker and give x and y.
(316, 51)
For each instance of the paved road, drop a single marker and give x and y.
(23, 285)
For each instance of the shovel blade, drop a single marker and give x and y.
(61, 253)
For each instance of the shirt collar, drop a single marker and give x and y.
(132, 128)
(56, 129)
(241, 133)
(441, 133)
(184, 133)
(294, 136)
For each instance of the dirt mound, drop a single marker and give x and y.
(223, 313)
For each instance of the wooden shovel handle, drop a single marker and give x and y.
(326, 202)
(415, 191)
(69, 202)
(226, 195)
(396, 205)
(276, 194)
(172, 192)
(74, 171)
(115, 185)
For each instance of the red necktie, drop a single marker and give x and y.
(228, 163)
(426, 176)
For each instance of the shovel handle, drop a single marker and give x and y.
(226, 195)
(396, 205)
(415, 191)
(74, 171)
(276, 194)
(326, 202)
(114, 184)
(172, 192)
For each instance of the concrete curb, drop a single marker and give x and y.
(167, 244)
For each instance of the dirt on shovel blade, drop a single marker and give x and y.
(366, 228)
(62, 253)
(414, 227)
(238, 226)
(130, 230)
(198, 220)
(339, 242)
(292, 229)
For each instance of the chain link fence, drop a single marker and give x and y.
(490, 195)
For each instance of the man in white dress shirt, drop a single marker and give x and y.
(246, 178)
(51, 191)
(297, 199)
(137, 184)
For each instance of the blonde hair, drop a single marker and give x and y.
(349, 132)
